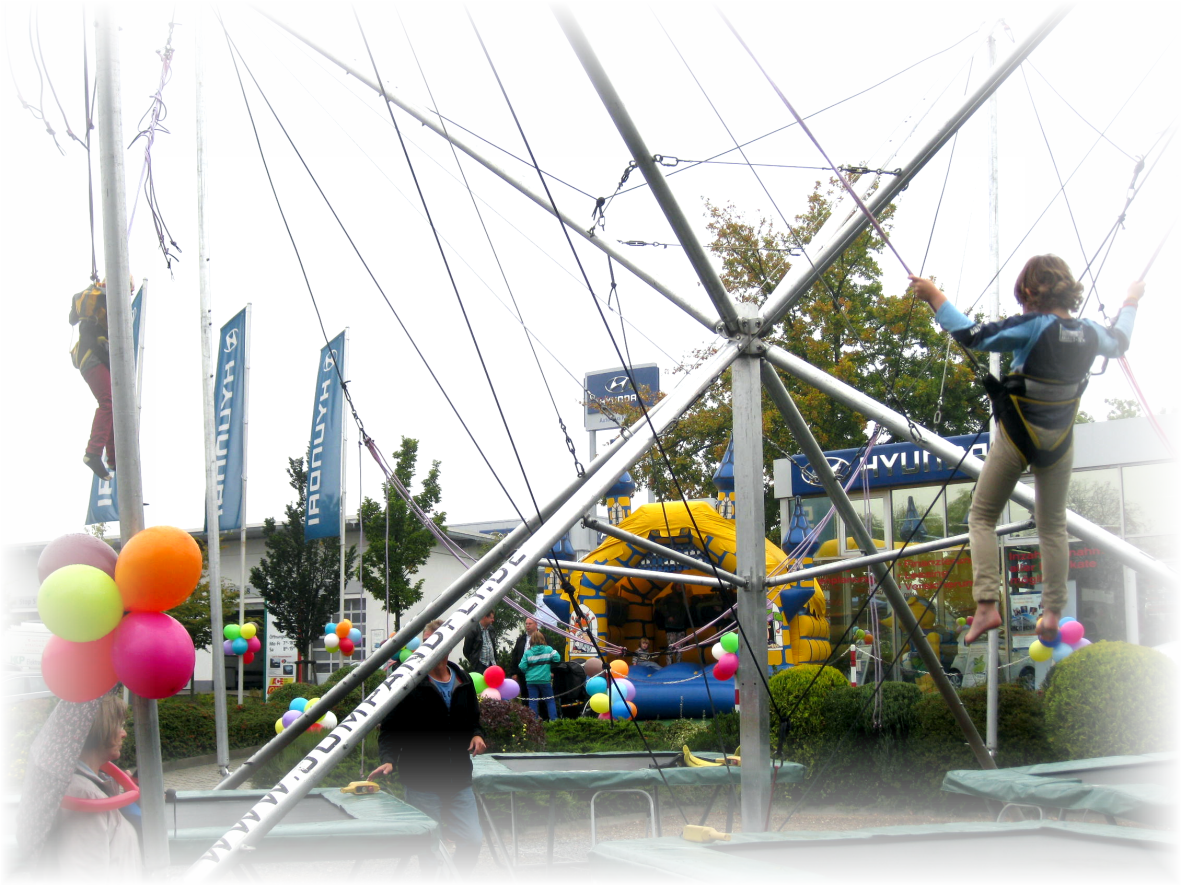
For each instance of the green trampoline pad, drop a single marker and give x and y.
(1037, 849)
(324, 824)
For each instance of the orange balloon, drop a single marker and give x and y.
(619, 667)
(343, 627)
(158, 569)
(632, 707)
(869, 638)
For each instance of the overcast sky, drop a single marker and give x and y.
(1101, 57)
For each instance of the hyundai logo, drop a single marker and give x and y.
(617, 384)
(231, 340)
(839, 466)
(329, 361)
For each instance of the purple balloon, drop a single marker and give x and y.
(290, 717)
(626, 687)
(228, 647)
(1081, 644)
(76, 548)
(509, 689)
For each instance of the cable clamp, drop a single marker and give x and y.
(662, 160)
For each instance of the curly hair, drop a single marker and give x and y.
(1050, 285)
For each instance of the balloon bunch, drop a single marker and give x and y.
(725, 653)
(297, 707)
(862, 636)
(107, 613)
(962, 622)
(1070, 639)
(612, 694)
(241, 640)
(406, 651)
(341, 636)
(494, 684)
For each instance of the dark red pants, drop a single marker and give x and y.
(102, 429)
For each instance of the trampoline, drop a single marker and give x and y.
(324, 824)
(1039, 849)
(1132, 787)
(603, 773)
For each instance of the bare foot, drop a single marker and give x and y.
(1047, 627)
(985, 619)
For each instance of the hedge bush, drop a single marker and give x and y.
(801, 694)
(1109, 699)
(938, 742)
(510, 728)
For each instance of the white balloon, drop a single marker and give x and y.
(717, 651)
(328, 721)
(331, 641)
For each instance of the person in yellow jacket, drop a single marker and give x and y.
(91, 356)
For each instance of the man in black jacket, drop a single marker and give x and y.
(431, 737)
(479, 647)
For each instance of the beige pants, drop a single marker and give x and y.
(1002, 469)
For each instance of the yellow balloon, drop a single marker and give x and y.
(599, 703)
(249, 630)
(1038, 651)
(279, 725)
(311, 701)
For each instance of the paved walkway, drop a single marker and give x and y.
(204, 777)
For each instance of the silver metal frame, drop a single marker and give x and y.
(656, 548)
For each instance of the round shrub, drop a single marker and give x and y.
(1109, 699)
(510, 728)
(939, 745)
(802, 694)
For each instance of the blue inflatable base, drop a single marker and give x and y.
(680, 690)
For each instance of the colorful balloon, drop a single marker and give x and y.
(298, 704)
(231, 632)
(1038, 651)
(76, 549)
(328, 721)
(240, 646)
(620, 710)
(330, 628)
(509, 689)
(478, 683)
(404, 654)
(592, 667)
(596, 685)
(627, 688)
(331, 642)
(494, 676)
(279, 726)
(867, 639)
(414, 643)
(1061, 651)
(1081, 644)
(726, 667)
(253, 645)
(355, 635)
(729, 641)
(249, 630)
(228, 647)
(153, 654)
(599, 703)
(1071, 632)
(490, 693)
(248, 658)
(619, 667)
(289, 717)
(79, 603)
(158, 569)
(717, 651)
(78, 671)
(346, 646)
(343, 627)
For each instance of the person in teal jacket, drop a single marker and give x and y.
(538, 677)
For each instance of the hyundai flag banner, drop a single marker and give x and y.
(229, 401)
(891, 464)
(104, 496)
(610, 386)
(322, 518)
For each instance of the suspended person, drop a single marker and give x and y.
(91, 357)
(100, 845)
(430, 738)
(1035, 406)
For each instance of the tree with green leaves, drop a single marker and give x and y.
(300, 580)
(194, 613)
(887, 346)
(409, 543)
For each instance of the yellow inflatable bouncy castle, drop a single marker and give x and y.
(620, 610)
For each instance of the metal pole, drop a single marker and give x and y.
(992, 665)
(123, 401)
(948, 453)
(799, 279)
(242, 520)
(812, 451)
(435, 609)
(685, 233)
(269, 811)
(213, 533)
(926, 547)
(754, 718)
(647, 543)
(1131, 608)
(140, 321)
(344, 450)
(648, 574)
(431, 121)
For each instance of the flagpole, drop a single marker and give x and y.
(242, 506)
(344, 449)
(139, 351)
(212, 533)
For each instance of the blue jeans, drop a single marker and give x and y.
(458, 815)
(542, 690)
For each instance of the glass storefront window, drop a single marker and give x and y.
(959, 502)
(1147, 511)
(1095, 495)
(815, 510)
(909, 506)
(877, 523)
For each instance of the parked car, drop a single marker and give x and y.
(21, 688)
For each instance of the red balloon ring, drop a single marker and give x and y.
(130, 794)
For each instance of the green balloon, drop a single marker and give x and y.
(729, 641)
(404, 654)
(232, 631)
(80, 603)
(479, 683)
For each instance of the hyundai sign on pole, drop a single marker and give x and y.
(322, 518)
(230, 412)
(611, 386)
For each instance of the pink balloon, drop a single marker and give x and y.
(76, 548)
(726, 667)
(1072, 632)
(253, 644)
(153, 654)
(491, 693)
(79, 671)
(604, 716)
(509, 689)
(494, 676)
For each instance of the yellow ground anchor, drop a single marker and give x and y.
(696, 833)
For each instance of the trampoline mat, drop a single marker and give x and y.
(1003, 858)
(581, 762)
(1167, 775)
(212, 813)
